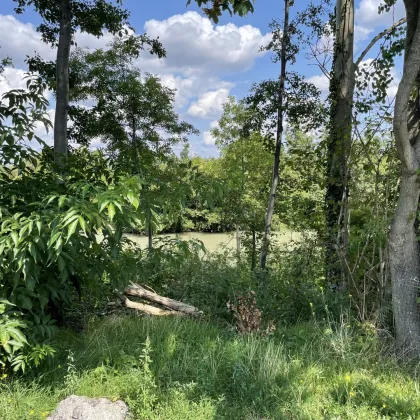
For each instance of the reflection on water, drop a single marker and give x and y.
(212, 241)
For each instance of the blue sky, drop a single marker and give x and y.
(205, 63)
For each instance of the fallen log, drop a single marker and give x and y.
(139, 291)
(147, 309)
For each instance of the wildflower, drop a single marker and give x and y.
(352, 394)
(31, 412)
(44, 414)
(383, 405)
(347, 378)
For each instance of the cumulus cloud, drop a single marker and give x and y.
(192, 86)
(367, 14)
(321, 82)
(210, 104)
(193, 43)
(199, 55)
(208, 138)
(20, 39)
(12, 79)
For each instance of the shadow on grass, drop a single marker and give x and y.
(193, 369)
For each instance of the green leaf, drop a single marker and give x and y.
(82, 224)
(72, 228)
(25, 302)
(111, 211)
(14, 237)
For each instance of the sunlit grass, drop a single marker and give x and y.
(200, 371)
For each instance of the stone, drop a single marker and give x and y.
(83, 408)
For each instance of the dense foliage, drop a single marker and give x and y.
(286, 340)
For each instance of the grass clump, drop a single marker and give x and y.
(184, 369)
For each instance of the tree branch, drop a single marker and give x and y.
(377, 38)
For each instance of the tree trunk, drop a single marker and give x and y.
(253, 252)
(149, 230)
(279, 137)
(62, 80)
(137, 290)
(148, 309)
(238, 241)
(339, 143)
(405, 264)
(403, 237)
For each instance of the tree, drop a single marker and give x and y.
(245, 170)
(404, 248)
(284, 58)
(288, 97)
(217, 7)
(133, 114)
(342, 85)
(343, 81)
(60, 20)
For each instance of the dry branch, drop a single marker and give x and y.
(148, 309)
(139, 291)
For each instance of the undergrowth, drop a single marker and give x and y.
(185, 369)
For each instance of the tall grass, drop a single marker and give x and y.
(185, 369)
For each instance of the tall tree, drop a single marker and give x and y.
(61, 18)
(285, 40)
(290, 96)
(342, 85)
(132, 114)
(404, 248)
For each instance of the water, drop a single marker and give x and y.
(212, 241)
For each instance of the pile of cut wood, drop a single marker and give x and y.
(166, 306)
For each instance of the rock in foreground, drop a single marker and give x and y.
(83, 408)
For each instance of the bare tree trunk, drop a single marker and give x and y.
(139, 291)
(403, 237)
(253, 252)
(279, 137)
(149, 230)
(62, 79)
(148, 309)
(339, 143)
(238, 241)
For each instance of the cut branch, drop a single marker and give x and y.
(139, 291)
(377, 38)
(147, 309)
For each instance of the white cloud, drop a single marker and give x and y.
(12, 79)
(193, 43)
(192, 86)
(361, 34)
(199, 54)
(20, 39)
(210, 104)
(367, 14)
(321, 82)
(208, 138)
